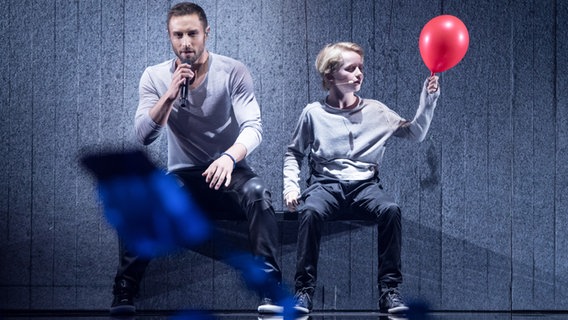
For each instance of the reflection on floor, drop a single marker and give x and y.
(313, 316)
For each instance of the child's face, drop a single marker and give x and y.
(349, 77)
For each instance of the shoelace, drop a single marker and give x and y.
(392, 294)
(122, 289)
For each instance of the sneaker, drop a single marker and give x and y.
(391, 301)
(123, 302)
(270, 317)
(267, 306)
(280, 317)
(303, 302)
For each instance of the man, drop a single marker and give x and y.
(210, 132)
(344, 138)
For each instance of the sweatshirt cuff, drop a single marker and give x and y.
(250, 138)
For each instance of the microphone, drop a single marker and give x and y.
(185, 86)
(342, 83)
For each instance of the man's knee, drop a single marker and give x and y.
(255, 190)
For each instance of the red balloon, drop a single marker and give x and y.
(443, 43)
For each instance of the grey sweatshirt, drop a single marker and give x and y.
(221, 111)
(349, 144)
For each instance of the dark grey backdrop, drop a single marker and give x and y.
(483, 197)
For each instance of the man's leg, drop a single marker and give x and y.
(127, 281)
(256, 203)
(245, 198)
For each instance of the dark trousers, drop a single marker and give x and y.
(245, 198)
(333, 200)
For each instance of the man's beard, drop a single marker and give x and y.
(191, 59)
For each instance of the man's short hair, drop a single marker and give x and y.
(187, 8)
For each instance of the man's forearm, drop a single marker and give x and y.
(161, 111)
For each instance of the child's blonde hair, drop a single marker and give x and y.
(329, 59)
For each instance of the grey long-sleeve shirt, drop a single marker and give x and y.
(221, 111)
(349, 144)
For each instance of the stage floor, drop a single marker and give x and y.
(313, 316)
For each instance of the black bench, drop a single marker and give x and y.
(201, 279)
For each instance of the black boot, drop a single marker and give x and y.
(124, 292)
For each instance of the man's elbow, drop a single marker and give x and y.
(145, 139)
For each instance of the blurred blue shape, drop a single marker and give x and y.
(251, 270)
(154, 216)
(287, 302)
(418, 310)
(148, 209)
